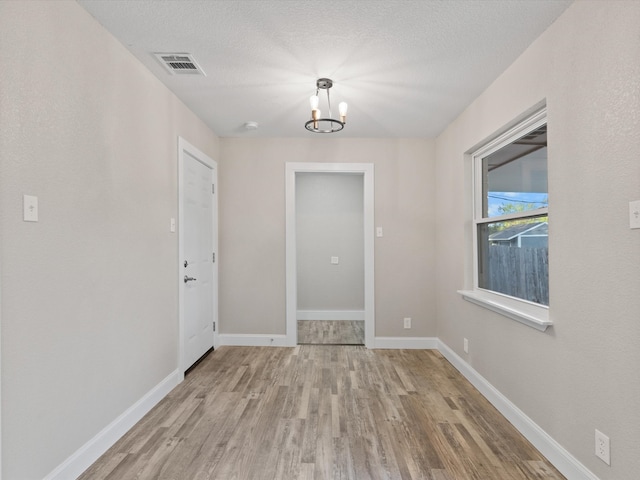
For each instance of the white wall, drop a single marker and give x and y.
(252, 229)
(89, 295)
(581, 374)
(330, 223)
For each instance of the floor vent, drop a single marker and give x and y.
(179, 63)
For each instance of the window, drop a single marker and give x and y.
(510, 223)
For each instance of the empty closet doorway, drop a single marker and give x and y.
(329, 253)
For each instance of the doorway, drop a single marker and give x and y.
(323, 305)
(197, 268)
(330, 258)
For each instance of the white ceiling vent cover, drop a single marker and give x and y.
(179, 63)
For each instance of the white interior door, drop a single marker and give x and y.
(198, 280)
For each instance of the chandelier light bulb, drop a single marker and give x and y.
(314, 100)
(342, 107)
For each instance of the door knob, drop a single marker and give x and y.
(188, 279)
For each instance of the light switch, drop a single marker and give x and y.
(335, 260)
(30, 208)
(634, 214)
(172, 225)
(379, 232)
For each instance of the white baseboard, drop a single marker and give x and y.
(423, 343)
(330, 315)
(566, 463)
(84, 457)
(248, 340)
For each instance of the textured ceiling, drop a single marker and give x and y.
(406, 68)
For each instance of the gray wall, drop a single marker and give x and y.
(330, 223)
(252, 229)
(89, 295)
(581, 374)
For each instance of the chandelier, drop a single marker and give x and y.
(318, 124)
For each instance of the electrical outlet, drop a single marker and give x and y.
(30, 208)
(603, 450)
(634, 214)
(407, 322)
(466, 346)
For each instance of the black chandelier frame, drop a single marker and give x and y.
(324, 125)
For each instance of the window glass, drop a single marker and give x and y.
(515, 176)
(511, 219)
(513, 258)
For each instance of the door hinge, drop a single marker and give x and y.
(214, 326)
(213, 255)
(213, 188)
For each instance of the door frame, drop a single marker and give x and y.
(367, 170)
(185, 148)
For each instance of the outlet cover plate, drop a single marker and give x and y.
(603, 449)
(30, 208)
(634, 214)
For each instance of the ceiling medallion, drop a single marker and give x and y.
(318, 124)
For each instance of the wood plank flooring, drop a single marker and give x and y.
(322, 412)
(333, 332)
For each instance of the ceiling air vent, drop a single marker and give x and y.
(179, 63)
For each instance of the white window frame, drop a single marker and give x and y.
(529, 313)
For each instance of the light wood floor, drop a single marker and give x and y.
(323, 412)
(334, 332)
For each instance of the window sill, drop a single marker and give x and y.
(532, 315)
